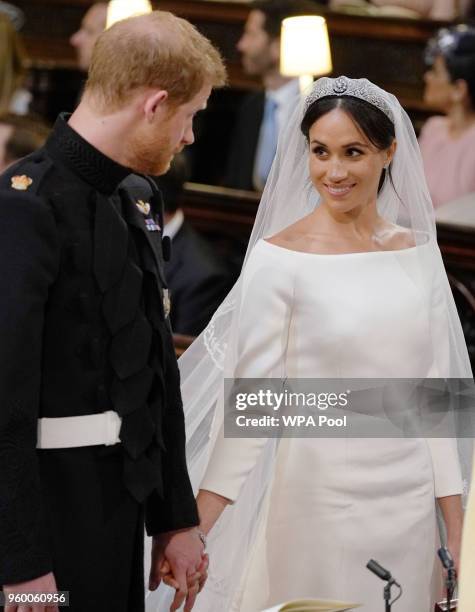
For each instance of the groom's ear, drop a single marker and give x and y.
(154, 104)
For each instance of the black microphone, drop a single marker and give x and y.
(446, 557)
(377, 569)
(383, 573)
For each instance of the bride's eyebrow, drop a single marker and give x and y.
(346, 146)
(356, 144)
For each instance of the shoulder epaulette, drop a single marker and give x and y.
(26, 175)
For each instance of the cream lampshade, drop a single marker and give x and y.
(305, 48)
(122, 9)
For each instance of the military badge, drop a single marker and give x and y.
(21, 182)
(166, 302)
(144, 207)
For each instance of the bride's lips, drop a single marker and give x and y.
(338, 191)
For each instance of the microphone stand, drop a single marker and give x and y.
(387, 596)
(450, 581)
(382, 573)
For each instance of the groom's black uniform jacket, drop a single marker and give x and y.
(83, 330)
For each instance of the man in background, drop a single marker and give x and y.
(197, 279)
(92, 25)
(263, 114)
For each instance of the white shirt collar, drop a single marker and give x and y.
(286, 94)
(172, 228)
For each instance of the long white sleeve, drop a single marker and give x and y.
(444, 452)
(264, 320)
(446, 466)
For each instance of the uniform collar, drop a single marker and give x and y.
(100, 171)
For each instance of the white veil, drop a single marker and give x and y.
(287, 197)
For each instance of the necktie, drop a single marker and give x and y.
(267, 141)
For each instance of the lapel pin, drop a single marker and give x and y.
(144, 207)
(21, 183)
(151, 225)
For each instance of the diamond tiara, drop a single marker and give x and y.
(356, 88)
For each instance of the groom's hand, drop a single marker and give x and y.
(183, 550)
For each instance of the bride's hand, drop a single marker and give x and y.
(200, 576)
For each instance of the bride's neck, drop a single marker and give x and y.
(358, 223)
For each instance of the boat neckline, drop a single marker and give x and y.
(352, 253)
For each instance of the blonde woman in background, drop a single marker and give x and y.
(13, 97)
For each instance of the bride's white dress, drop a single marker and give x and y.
(336, 503)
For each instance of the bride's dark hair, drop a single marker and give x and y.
(376, 126)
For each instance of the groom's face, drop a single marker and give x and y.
(161, 135)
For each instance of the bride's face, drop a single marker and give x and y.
(345, 167)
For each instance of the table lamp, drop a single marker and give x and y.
(122, 9)
(305, 49)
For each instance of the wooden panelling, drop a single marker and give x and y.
(218, 210)
(386, 50)
(457, 245)
(181, 343)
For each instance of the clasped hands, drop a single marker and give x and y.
(179, 559)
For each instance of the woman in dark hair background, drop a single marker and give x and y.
(448, 142)
(342, 280)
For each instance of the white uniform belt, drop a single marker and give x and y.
(76, 431)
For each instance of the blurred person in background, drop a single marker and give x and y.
(13, 95)
(14, 13)
(198, 281)
(445, 10)
(92, 25)
(19, 136)
(262, 114)
(448, 142)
